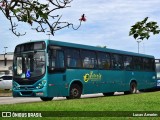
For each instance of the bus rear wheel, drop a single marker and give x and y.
(46, 98)
(75, 92)
(108, 94)
(133, 88)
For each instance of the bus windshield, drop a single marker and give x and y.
(29, 64)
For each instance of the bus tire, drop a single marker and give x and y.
(133, 89)
(75, 92)
(108, 94)
(46, 98)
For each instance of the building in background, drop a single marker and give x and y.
(6, 61)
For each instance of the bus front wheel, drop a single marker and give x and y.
(46, 98)
(75, 92)
(133, 88)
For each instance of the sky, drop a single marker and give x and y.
(108, 24)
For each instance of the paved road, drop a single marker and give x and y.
(11, 100)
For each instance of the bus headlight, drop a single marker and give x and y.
(41, 84)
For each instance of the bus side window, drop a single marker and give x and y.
(138, 63)
(71, 62)
(103, 60)
(52, 56)
(89, 59)
(117, 61)
(73, 58)
(56, 58)
(59, 59)
(128, 63)
(86, 62)
(148, 64)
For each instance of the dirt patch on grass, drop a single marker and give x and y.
(5, 93)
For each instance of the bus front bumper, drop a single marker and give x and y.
(28, 93)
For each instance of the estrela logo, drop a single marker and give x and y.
(86, 77)
(91, 76)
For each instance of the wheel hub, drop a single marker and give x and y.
(75, 92)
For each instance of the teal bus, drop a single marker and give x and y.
(49, 68)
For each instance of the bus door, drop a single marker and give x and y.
(56, 71)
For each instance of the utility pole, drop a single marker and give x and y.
(5, 59)
(49, 36)
(138, 41)
(5, 50)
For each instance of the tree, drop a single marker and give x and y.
(143, 29)
(37, 14)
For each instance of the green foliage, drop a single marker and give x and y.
(33, 11)
(143, 29)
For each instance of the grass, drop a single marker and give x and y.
(135, 102)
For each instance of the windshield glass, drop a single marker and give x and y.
(30, 64)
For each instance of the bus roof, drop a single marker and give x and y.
(88, 47)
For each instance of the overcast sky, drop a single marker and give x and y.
(108, 24)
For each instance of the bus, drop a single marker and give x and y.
(49, 68)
